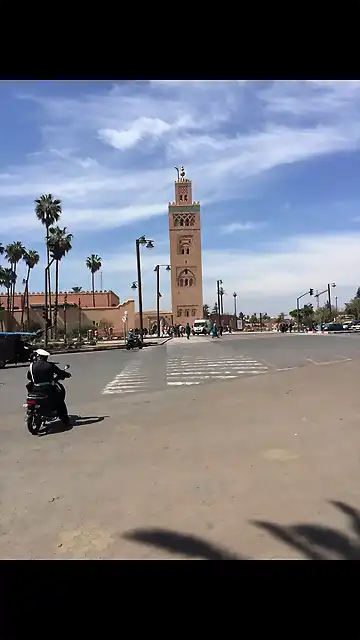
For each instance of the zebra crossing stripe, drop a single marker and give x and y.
(186, 371)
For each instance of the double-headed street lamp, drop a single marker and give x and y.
(149, 244)
(158, 294)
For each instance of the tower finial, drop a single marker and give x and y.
(178, 172)
(182, 171)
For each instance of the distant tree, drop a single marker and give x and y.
(14, 253)
(253, 319)
(93, 263)
(48, 212)
(106, 325)
(206, 310)
(31, 259)
(76, 289)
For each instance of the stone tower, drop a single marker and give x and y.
(185, 253)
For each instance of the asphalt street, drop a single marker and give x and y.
(180, 363)
(258, 466)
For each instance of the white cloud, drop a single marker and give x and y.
(204, 124)
(239, 226)
(141, 128)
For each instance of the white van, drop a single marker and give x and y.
(202, 327)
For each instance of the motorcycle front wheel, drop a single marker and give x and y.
(34, 423)
(140, 345)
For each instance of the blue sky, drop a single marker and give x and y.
(275, 166)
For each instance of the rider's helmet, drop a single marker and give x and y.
(41, 353)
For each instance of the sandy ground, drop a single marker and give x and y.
(264, 467)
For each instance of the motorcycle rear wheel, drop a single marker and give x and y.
(34, 423)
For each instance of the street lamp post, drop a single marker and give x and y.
(46, 302)
(235, 311)
(158, 294)
(65, 318)
(79, 318)
(219, 282)
(332, 284)
(149, 244)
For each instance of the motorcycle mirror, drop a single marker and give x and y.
(67, 366)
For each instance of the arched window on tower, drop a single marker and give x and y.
(187, 313)
(186, 278)
(179, 313)
(182, 251)
(193, 313)
(187, 250)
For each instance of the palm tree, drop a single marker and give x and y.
(14, 253)
(59, 244)
(48, 211)
(8, 279)
(93, 263)
(76, 289)
(31, 259)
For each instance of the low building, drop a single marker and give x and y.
(108, 312)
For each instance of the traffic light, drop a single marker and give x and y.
(311, 292)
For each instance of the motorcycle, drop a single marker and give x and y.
(39, 409)
(133, 343)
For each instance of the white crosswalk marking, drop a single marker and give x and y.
(187, 370)
(131, 379)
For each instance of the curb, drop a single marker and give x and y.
(105, 348)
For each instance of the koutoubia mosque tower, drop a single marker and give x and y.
(185, 253)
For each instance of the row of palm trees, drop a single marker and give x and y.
(58, 243)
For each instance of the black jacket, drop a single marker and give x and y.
(44, 371)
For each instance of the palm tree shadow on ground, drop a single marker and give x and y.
(315, 542)
(180, 543)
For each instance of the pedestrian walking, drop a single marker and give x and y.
(188, 330)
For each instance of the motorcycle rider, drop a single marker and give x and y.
(41, 372)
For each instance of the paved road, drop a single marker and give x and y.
(181, 363)
(259, 467)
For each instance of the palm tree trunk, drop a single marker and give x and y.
(28, 305)
(93, 286)
(48, 275)
(24, 299)
(56, 297)
(13, 291)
